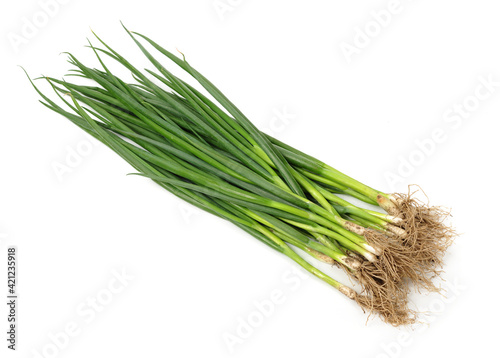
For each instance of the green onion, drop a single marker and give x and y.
(207, 152)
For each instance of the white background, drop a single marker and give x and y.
(195, 277)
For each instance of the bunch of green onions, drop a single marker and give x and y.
(205, 151)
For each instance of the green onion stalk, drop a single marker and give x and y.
(205, 151)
